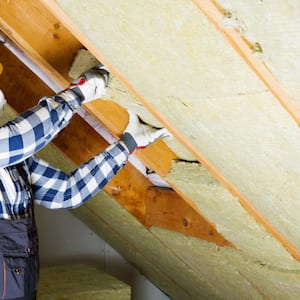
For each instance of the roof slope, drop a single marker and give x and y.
(201, 69)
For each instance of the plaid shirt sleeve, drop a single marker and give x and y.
(33, 129)
(55, 189)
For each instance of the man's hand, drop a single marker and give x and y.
(91, 84)
(139, 136)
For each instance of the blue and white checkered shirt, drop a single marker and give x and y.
(33, 129)
(53, 188)
(50, 186)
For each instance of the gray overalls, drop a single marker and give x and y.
(19, 263)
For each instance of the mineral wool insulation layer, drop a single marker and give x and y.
(185, 69)
(217, 204)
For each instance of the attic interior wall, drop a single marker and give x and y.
(219, 105)
(290, 276)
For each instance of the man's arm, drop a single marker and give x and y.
(55, 189)
(33, 129)
(36, 127)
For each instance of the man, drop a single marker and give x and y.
(25, 179)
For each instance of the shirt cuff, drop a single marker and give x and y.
(70, 98)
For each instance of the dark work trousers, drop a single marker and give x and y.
(19, 262)
(18, 259)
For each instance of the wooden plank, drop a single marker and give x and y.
(129, 187)
(30, 25)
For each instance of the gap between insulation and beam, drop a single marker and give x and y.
(215, 16)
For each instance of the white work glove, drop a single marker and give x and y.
(139, 136)
(2, 102)
(91, 84)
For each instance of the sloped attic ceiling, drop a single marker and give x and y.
(222, 77)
